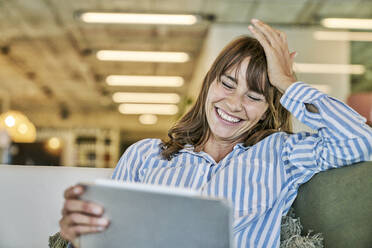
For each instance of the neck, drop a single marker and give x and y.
(218, 149)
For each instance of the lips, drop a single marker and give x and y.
(226, 117)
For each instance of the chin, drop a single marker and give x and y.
(225, 135)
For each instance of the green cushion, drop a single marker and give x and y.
(338, 203)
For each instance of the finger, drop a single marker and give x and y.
(70, 225)
(284, 42)
(66, 231)
(78, 230)
(270, 33)
(283, 36)
(293, 55)
(81, 219)
(82, 207)
(73, 192)
(261, 38)
(73, 232)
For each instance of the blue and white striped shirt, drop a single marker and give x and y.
(260, 181)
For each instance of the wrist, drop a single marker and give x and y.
(284, 85)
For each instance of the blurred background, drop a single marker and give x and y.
(81, 80)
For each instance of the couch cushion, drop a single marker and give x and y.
(338, 203)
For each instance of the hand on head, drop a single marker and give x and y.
(279, 59)
(80, 217)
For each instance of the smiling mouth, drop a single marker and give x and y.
(227, 117)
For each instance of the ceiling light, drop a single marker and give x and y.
(143, 56)
(148, 119)
(22, 128)
(9, 121)
(145, 97)
(18, 126)
(137, 18)
(147, 81)
(54, 143)
(344, 36)
(328, 68)
(159, 109)
(347, 23)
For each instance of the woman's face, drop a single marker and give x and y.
(231, 108)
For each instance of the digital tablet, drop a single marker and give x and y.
(151, 216)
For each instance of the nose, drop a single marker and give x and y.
(235, 103)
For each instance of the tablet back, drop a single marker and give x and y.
(158, 219)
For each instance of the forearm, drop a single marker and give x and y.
(342, 135)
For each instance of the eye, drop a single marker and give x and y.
(254, 98)
(227, 85)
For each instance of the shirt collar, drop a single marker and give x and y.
(241, 146)
(190, 148)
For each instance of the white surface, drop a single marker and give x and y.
(32, 198)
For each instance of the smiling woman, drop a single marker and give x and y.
(236, 142)
(236, 101)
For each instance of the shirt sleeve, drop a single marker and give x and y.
(132, 159)
(342, 136)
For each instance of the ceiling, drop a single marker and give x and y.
(49, 71)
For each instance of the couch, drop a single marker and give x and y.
(337, 203)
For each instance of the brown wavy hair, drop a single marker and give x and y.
(193, 127)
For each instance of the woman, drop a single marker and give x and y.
(236, 142)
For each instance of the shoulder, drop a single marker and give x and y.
(145, 145)
(141, 150)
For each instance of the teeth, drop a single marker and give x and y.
(227, 117)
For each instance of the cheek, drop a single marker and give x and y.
(215, 93)
(256, 111)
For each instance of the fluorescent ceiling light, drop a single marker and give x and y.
(347, 23)
(137, 18)
(345, 36)
(149, 81)
(159, 109)
(143, 56)
(328, 68)
(148, 119)
(145, 97)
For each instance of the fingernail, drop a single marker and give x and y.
(102, 221)
(250, 27)
(97, 210)
(100, 228)
(255, 20)
(296, 53)
(77, 190)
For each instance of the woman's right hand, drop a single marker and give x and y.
(80, 217)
